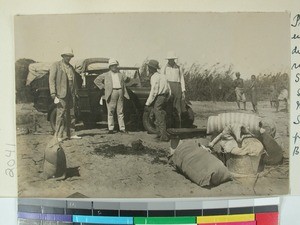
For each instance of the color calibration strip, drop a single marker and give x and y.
(219, 212)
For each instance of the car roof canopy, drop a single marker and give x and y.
(37, 70)
(91, 64)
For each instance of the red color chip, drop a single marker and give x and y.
(267, 218)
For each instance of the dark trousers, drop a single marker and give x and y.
(159, 108)
(65, 116)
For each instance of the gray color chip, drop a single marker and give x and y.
(106, 205)
(161, 206)
(79, 205)
(54, 203)
(29, 201)
(182, 205)
(133, 206)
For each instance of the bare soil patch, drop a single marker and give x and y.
(102, 165)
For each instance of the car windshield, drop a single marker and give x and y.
(133, 75)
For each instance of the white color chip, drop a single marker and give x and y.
(241, 203)
(215, 204)
(266, 201)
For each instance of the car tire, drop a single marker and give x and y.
(89, 121)
(52, 119)
(148, 121)
(132, 116)
(188, 118)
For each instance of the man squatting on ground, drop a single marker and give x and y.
(175, 78)
(115, 91)
(159, 94)
(239, 90)
(62, 85)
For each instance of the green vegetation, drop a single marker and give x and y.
(215, 83)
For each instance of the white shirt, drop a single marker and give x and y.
(115, 80)
(159, 85)
(174, 74)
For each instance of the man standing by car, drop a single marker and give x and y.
(62, 85)
(158, 97)
(115, 91)
(176, 81)
(239, 90)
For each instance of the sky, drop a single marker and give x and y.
(252, 43)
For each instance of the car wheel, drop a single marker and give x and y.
(89, 121)
(188, 118)
(148, 121)
(53, 119)
(132, 116)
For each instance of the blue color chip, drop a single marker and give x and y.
(102, 219)
(48, 217)
(31, 216)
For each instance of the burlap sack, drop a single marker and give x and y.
(55, 164)
(199, 165)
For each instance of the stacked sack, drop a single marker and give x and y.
(274, 153)
(216, 124)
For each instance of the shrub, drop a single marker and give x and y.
(23, 93)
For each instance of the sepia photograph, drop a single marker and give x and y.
(152, 105)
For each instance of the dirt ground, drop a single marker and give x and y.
(102, 165)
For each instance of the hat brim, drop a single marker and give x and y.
(153, 66)
(113, 64)
(71, 55)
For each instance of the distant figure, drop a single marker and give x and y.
(253, 92)
(158, 97)
(176, 81)
(273, 93)
(283, 97)
(62, 84)
(239, 90)
(115, 91)
(273, 96)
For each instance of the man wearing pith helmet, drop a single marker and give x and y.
(62, 85)
(115, 92)
(158, 97)
(176, 81)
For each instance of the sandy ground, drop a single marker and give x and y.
(102, 165)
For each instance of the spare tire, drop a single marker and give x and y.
(148, 121)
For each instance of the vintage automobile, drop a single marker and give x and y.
(87, 106)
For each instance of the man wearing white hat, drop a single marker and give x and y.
(62, 85)
(158, 97)
(115, 91)
(176, 81)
